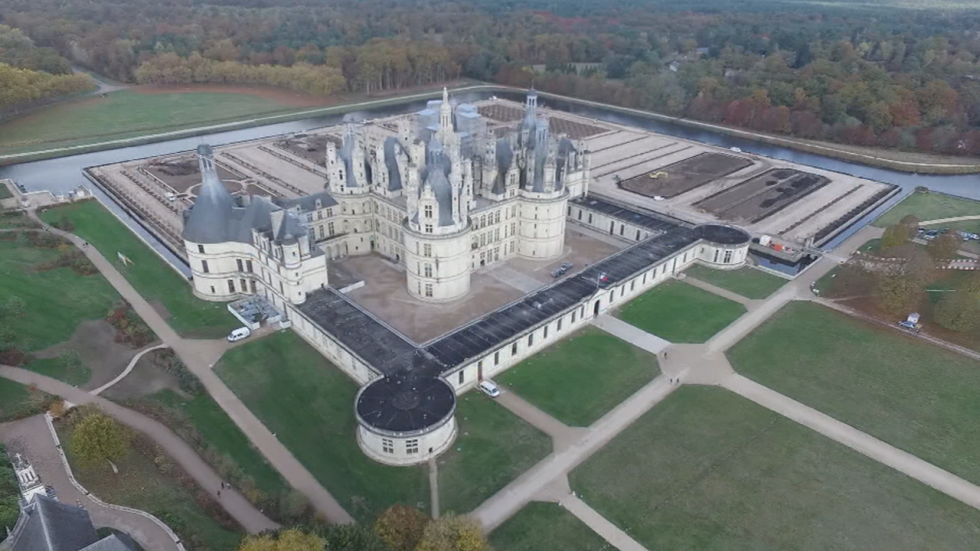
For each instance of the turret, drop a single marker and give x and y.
(412, 190)
(445, 113)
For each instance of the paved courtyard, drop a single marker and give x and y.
(386, 296)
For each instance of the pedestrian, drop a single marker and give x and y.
(219, 493)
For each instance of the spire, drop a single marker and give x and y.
(445, 113)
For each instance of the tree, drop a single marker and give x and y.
(350, 537)
(453, 533)
(898, 286)
(292, 539)
(98, 437)
(401, 527)
(944, 247)
(894, 236)
(958, 311)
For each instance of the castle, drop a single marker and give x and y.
(444, 197)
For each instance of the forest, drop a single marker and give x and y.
(888, 73)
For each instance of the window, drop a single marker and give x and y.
(496, 234)
(622, 228)
(483, 239)
(412, 446)
(281, 290)
(573, 316)
(200, 249)
(633, 285)
(428, 270)
(428, 289)
(204, 266)
(558, 327)
(320, 232)
(212, 289)
(309, 217)
(244, 286)
(512, 247)
(428, 228)
(716, 256)
(483, 220)
(462, 376)
(329, 212)
(530, 340)
(427, 250)
(513, 228)
(496, 217)
(590, 218)
(330, 229)
(248, 264)
(241, 268)
(496, 358)
(728, 257)
(545, 336)
(319, 215)
(387, 445)
(580, 214)
(513, 349)
(638, 235)
(428, 211)
(231, 286)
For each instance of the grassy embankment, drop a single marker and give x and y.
(152, 277)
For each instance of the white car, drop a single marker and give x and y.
(239, 334)
(490, 389)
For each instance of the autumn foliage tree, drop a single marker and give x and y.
(453, 533)
(401, 527)
(292, 539)
(97, 438)
(898, 286)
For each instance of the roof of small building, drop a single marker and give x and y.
(405, 403)
(49, 525)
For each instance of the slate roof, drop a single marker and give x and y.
(49, 525)
(208, 221)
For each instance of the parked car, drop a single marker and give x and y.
(967, 236)
(488, 388)
(22, 188)
(929, 235)
(239, 334)
(561, 270)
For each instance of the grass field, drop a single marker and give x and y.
(707, 470)
(149, 274)
(680, 313)
(913, 395)
(929, 206)
(581, 378)
(53, 367)
(541, 526)
(5, 192)
(493, 447)
(56, 300)
(17, 401)
(127, 113)
(748, 282)
(309, 404)
(219, 433)
(141, 484)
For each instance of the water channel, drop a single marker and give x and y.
(63, 174)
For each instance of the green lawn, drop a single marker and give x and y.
(707, 470)
(913, 395)
(493, 447)
(56, 300)
(53, 367)
(148, 273)
(748, 282)
(929, 206)
(147, 480)
(5, 192)
(540, 526)
(17, 401)
(219, 433)
(581, 378)
(680, 313)
(125, 114)
(309, 404)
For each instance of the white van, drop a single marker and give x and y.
(490, 389)
(239, 334)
